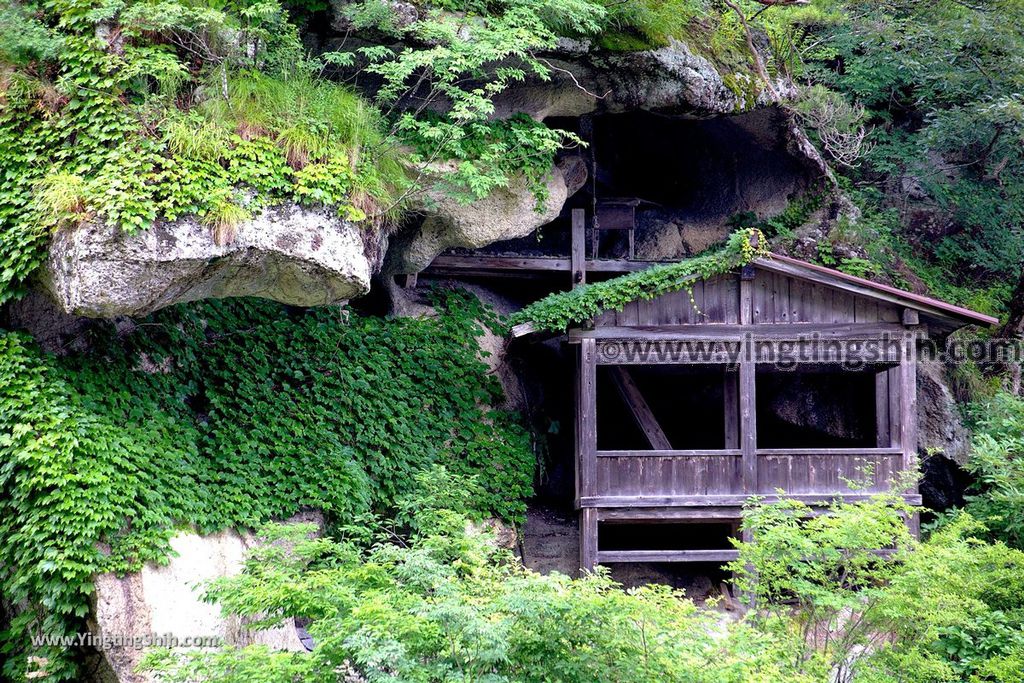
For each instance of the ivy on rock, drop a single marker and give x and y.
(228, 414)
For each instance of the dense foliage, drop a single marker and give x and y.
(997, 463)
(227, 415)
(448, 606)
(936, 87)
(558, 311)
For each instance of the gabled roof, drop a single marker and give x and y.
(940, 315)
(930, 307)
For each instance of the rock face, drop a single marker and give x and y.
(670, 80)
(506, 213)
(165, 602)
(940, 426)
(290, 254)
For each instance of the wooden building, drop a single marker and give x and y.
(695, 380)
(678, 399)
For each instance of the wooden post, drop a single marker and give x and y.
(908, 403)
(588, 539)
(731, 408)
(747, 397)
(586, 444)
(579, 248)
(748, 425)
(883, 439)
(746, 295)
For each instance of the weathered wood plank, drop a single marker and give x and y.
(731, 297)
(789, 332)
(684, 453)
(865, 310)
(523, 329)
(612, 556)
(838, 282)
(587, 409)
(748, 425)
(761, 298)
(888, 313)
(895, 432)
(579, 248)
(780, 299)
(823, 498)
(714, 303)
(747, 296)
(731, 408)
(843, 307)
(882, 439)
(588, 539)
(656, 514)
(866, 452)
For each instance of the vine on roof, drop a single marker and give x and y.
(555, 313)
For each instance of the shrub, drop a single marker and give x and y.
(446, 605)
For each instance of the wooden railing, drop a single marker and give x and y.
(629, 475)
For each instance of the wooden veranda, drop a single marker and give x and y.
(739, 329)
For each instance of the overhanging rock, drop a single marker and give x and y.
(294, 255)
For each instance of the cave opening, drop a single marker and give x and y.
(690, 179)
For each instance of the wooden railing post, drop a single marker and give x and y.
(586, 449)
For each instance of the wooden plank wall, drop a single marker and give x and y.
(775, 299)
(662, 475)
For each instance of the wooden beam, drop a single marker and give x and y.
(727, 500)
(895, 411)
(639, 408)
(668, 514)
(579, 248)
(610, 556)
(910, 316)
(762, 332)
(732, 452)
(523, 329)
(460, 265)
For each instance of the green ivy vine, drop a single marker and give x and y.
(229, 414)
(555, 313)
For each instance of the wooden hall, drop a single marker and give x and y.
(675, 398)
